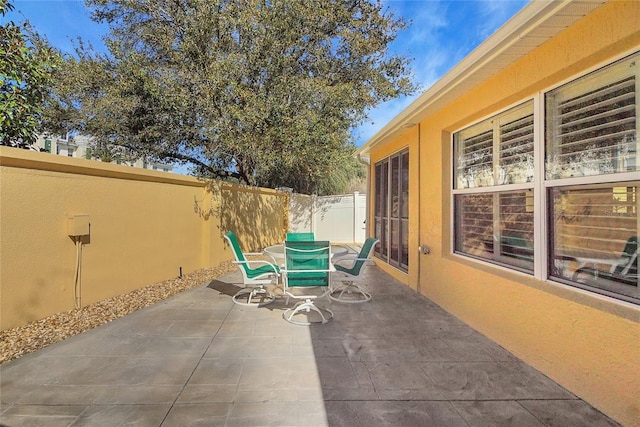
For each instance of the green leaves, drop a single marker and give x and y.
(26, 66)
(265, 92)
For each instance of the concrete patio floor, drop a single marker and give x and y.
(197, 359)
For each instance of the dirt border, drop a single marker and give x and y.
(16, 342)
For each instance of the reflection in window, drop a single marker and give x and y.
(497, 227)
(496, 151)
(595, 239)
(381, 207)
(591, 124)
(588, 181)
(624, 201)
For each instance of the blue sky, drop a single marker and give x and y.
(441, 34)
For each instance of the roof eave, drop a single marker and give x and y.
(516, 38)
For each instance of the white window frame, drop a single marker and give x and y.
(510, 111)
(541, 185)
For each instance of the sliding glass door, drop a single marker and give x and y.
(392, 209)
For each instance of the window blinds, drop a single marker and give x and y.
(592, 124)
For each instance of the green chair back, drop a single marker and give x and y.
(301, 237)
(630, 251)
(307, 263)
(363, 256)
(235, 246)
(251, 273)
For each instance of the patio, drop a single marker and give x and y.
(198, 359)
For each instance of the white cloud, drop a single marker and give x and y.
(425, 42)
(442, 34)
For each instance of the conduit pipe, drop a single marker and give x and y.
(77, 285)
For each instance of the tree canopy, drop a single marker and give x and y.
(266, 92)
(26, 66)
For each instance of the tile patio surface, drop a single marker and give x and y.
(197, 359)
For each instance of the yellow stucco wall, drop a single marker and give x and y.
(588, 343)
(145, 225)
(257, 216)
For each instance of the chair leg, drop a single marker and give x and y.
(246, 296)
(354, 293)
(307, 306)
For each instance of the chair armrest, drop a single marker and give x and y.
(274, 267)
(613, 262)
(352, 259)
(274, 261)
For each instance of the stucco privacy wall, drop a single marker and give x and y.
(145, 225)
(588, 343)
(257, 216)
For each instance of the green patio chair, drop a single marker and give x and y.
(300, 237)
(623, 269)
(348, 270)
(256, 274)
(307, 265)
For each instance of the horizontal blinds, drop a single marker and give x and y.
(475, 159)
(516, 225)
(595, 223)
(516, 151)
(474, 234)
(497, 227)
(496, 151)
(592, 125)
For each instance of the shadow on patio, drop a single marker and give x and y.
(197, 359)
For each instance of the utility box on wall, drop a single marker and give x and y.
(78, 225)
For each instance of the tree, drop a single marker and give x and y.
(26, 66)
(265, 92)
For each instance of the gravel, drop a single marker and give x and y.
(16, 342)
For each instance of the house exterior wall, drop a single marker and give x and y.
(144, 226)
(586, 342)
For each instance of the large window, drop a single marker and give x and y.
(392, 209)
(580, 204)
(591, 124)
(594, 239)
(494, 189)
(592, 180)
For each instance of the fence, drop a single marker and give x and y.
(338, 218)
(144, 227)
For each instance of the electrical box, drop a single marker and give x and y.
(78, 225)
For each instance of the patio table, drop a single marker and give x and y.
(277, 251)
